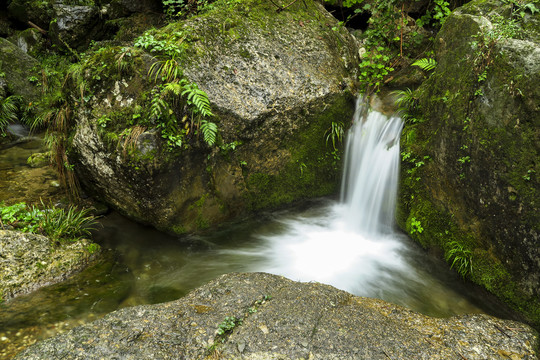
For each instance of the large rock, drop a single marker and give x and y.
(75, 25)
(276, 82)
(30, 261)
(471, 184)
(18, 68)
(38, 12)
(269, 317)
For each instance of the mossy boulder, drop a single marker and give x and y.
(38, 12)
(471, 179)
(18, 68)
(275, 80)
(75, 25)
(31, 261)
(262, 316)
(30, 41)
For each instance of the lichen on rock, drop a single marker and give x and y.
(30, 261)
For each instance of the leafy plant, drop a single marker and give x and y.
(9, 107)
(374, 68)
(335, 133)
(57, 223)
(416, 226)
(426, 64)
(459, 258)
(228, 325)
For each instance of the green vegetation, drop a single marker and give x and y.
(387, 45)
(228, 325)
(459, 258)
(8, 112)
(58, 224)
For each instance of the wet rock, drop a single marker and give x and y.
(30, 41)
(476, 147)
(264, 316)
(30, 261)
(37, 160)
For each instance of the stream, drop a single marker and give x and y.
(349, 243)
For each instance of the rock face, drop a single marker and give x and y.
(265, 316)
(30, 261)
(276, 82)
(471, 184)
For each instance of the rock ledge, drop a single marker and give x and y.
(283, 319)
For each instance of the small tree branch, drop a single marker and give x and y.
(44, 32)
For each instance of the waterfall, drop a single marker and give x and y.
(351, 244)
(371, 170)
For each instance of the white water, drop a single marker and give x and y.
(351, 244)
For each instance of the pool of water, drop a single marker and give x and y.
(318, 241)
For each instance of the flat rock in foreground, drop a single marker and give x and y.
(283, 319)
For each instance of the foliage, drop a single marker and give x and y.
(168, 45)
(335, 133)
(177, 106)
(407, 104)
(459, 258)
(56, 223)
(374, 68)
(228, 325)
(425, 64)
(180, 9)
(416, 226)
(8, 112)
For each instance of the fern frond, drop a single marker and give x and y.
(173, 87)
(425, 64)
(198, 98)
(209, 131)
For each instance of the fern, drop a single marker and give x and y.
(425, 64)
(167, 70)
(198, 98)
(8, 111)
(209, 131)
(158, 107)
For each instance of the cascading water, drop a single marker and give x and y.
(353, 245)
(371, 171)
(348, 244)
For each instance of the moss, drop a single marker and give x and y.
(481, 189)
(310, 171)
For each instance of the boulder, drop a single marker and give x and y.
(75, 25)
(471, 184)
(275, 80)
(18, 68)
(38, 12)
(30, 261)
(263, 316)
(30, 41)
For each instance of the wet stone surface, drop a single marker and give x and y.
(264, 316)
